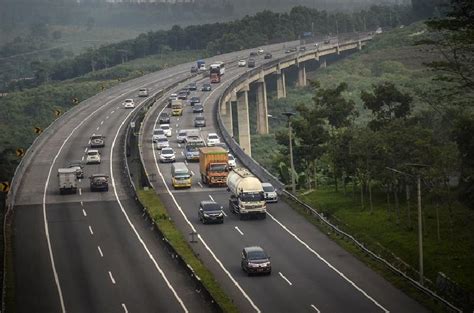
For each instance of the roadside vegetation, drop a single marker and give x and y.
(369, 125)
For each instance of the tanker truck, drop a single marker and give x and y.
(247, 196)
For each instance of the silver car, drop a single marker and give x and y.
(162, 142)
(269, 192)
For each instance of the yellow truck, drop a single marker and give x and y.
(213, 165)
(177, 107)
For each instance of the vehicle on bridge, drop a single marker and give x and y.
(143, 92)
(255, 261)
(67, 180)
(201, 65)
(216, 71)
(181, 176)
(247, 196)
(251, 62)
(176, 107)
(129, 104)
(213, 165)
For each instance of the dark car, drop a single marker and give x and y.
(287, 51)
(79, 168)
(255, 261)
(251, 62)
(327, 41)
(164, 118)
(99, 182)
(200, 121)
(194, 69)
(97, 141)
(268, 55)
(194, 100)
(192, 86)
(210, 212)
(183, 95)
(198, 108)
(206, 87)
(253, 54)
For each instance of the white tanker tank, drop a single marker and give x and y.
(247, 195)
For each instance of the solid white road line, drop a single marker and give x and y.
(111, 277)
(124, 308)
(100, 251)
(84, 212)
(102, 122)
(112, 177)
(328, 264)
(315, 308)
(45, 217)
(237, 285)
(90, 230)
(237, 229)
(286, 279)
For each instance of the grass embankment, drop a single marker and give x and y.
(158, 213)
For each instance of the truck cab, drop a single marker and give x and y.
(213, 165)
(247, 196)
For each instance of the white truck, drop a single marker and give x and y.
(67, 178)
(247, 195)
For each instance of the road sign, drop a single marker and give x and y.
(4, 186)
(20, 152)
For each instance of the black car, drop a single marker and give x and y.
(251, 62)
(198, 108)
(164, 118)
(99, 182)
(253, 54)
(255, 261)
(194, 100)
(200, 121)
(267, 55)
(192, 86)
(210, 212)
(206, 87)
(194, 69)
(97, 141)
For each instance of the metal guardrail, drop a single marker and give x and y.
(264, 175)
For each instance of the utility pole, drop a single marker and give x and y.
(292, 165)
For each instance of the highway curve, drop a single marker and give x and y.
(310, 273)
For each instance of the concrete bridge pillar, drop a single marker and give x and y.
(262, 107)
(281, 86)
(359, 45)
(243, 120)
(322, 64)
(301, 75)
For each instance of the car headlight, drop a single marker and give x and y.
(206, 215)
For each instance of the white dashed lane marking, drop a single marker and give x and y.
(315, 308)
(84, 212)
(124, 308)
(286, 279)
(90, 230)
(111, 277)
(100, 251)
(237, 229)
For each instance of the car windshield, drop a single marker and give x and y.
(256, 255)
(211, 207)
(165, 127)
(158, 132)
(198, 106)
(96, 137)
(100, 179)
(167, 151)
(182, 133)
(213, 137)
(162, 140)
(129, 100)
(251, 196)
(164, 115)
(268, 188)
(191, 148)
(199, 118)
(92, 153)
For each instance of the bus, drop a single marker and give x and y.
(217, 69)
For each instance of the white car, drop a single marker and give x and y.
(260, 51)
(143, 92)
(242, 63)
(269, 192)
(231, 161)
(157, 133)
(173, 96)
(212, 139)
(129, 104)
(162, 142)
(166, 129)
(167, 155)
(181, 137)
(93, 157)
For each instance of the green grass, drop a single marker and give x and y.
(452, 254)
(158, 213)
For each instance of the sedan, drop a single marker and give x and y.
(268, 55)
(242, 63)
(260, 51)
(129, 104)
(198, 108)
(164, 118)
(206, 87)
(192, 86)
(167, 155)
(93, 156)
(194, 100)
(255, 260)
(162, 142)
(157, 133)
(269, 192)
(99, 182)
(212, 139)
(200, 121)
(166, 129)
(210, 212)
(181, 137)
(183, 95)
(231, 161)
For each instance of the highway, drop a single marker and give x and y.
(310, 273)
